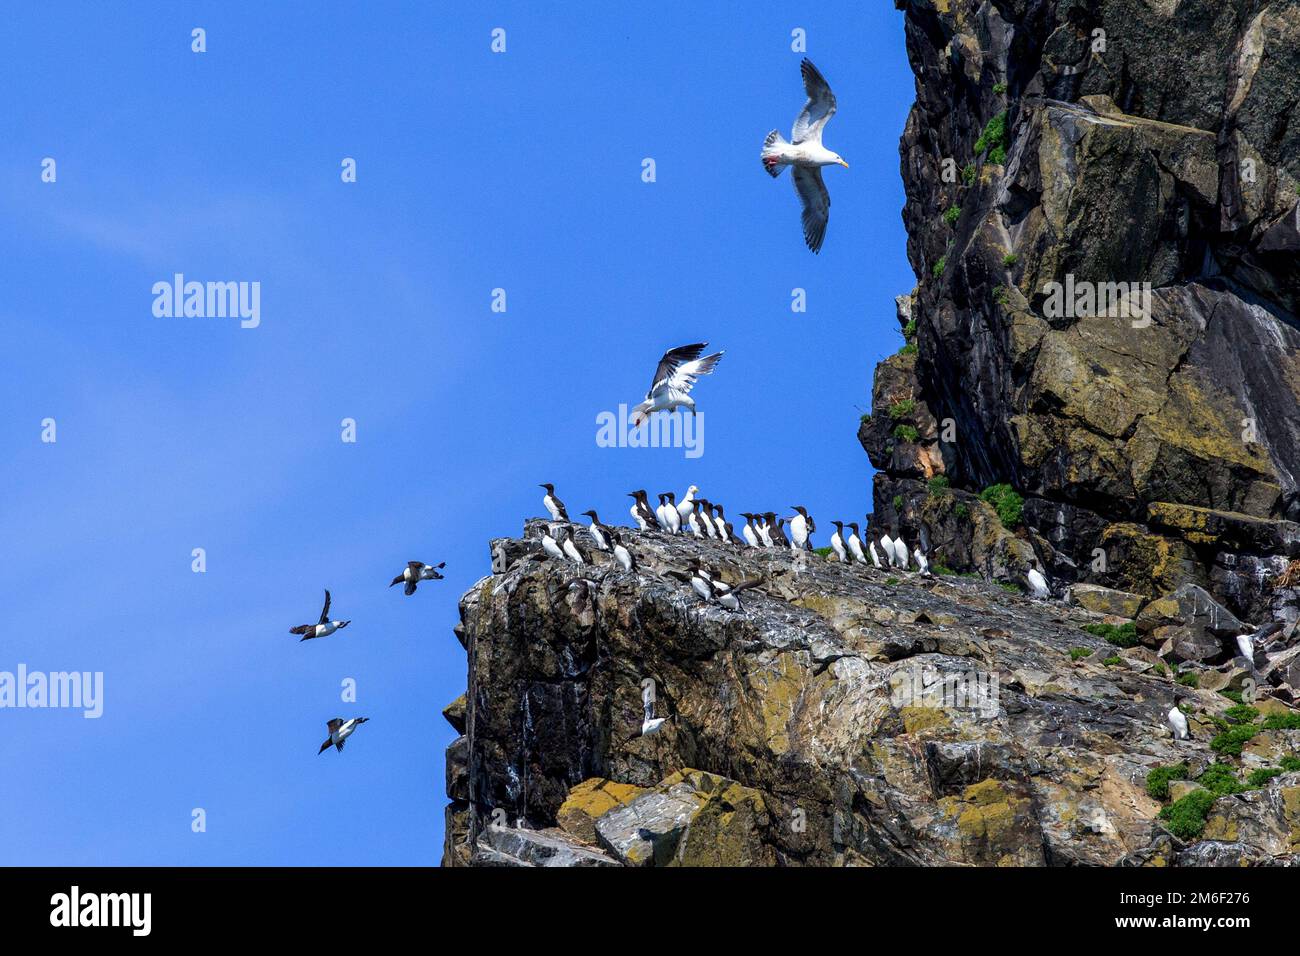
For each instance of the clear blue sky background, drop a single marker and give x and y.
(476, 171)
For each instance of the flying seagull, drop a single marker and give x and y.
(674, 378)
(417, 571)
(322, 628)
(807, 155)
(340, 731)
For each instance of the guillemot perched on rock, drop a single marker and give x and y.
(721, 524)
(621, 554)
(599, 533)
(322, 628)
(551, 545)
(640, 510)
(671, 515)
(763, 532)
(747, 530)
(887, 546)
(660, 519)
(774, 530)
(417, 571)
(855, 545)
(801, 529)
(554, 506)
(837, 542)
(570, 547)
(704, 514)
(900, 550)
(673, 380)
(340, 731)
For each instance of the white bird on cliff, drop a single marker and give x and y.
(807, 155)
(686, 506)
(650, 723)
(673, 380)
(1247, 647)
(1178, 723)
(554, 506)
(570, 548)
(1037, 581)
(837, 542)
(621, 554)
(599, 533)
(922, 562)
(900, 551)
(550, 545)
(887, 545)
(855, 545)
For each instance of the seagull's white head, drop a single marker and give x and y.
(840, 160)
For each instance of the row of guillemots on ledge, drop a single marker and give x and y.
(703, 519)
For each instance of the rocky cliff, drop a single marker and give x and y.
(1102, 216)
(1100, 372)
(849, 715)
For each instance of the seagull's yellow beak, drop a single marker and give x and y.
(844, 164)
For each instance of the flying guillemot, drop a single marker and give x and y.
(340, 730)
(417, 571)
(322, 628)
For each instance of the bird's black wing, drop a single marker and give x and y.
(672, 359)
(325, 611)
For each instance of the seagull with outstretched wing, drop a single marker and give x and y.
(807, 155)
(674, 378)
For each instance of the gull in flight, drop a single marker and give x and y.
(673, 381)
(807, 155)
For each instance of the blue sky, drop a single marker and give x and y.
(475, 171)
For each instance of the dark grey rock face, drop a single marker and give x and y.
(1146, 147)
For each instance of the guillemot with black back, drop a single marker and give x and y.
(551, 545)
(417, 571)
(837, 542)
(599, 533)
(621, 554)
(340, 730)
(801, 528)
(640, 511)
(570, 548)
(554, 506)
(323, 627)
(855, 545)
